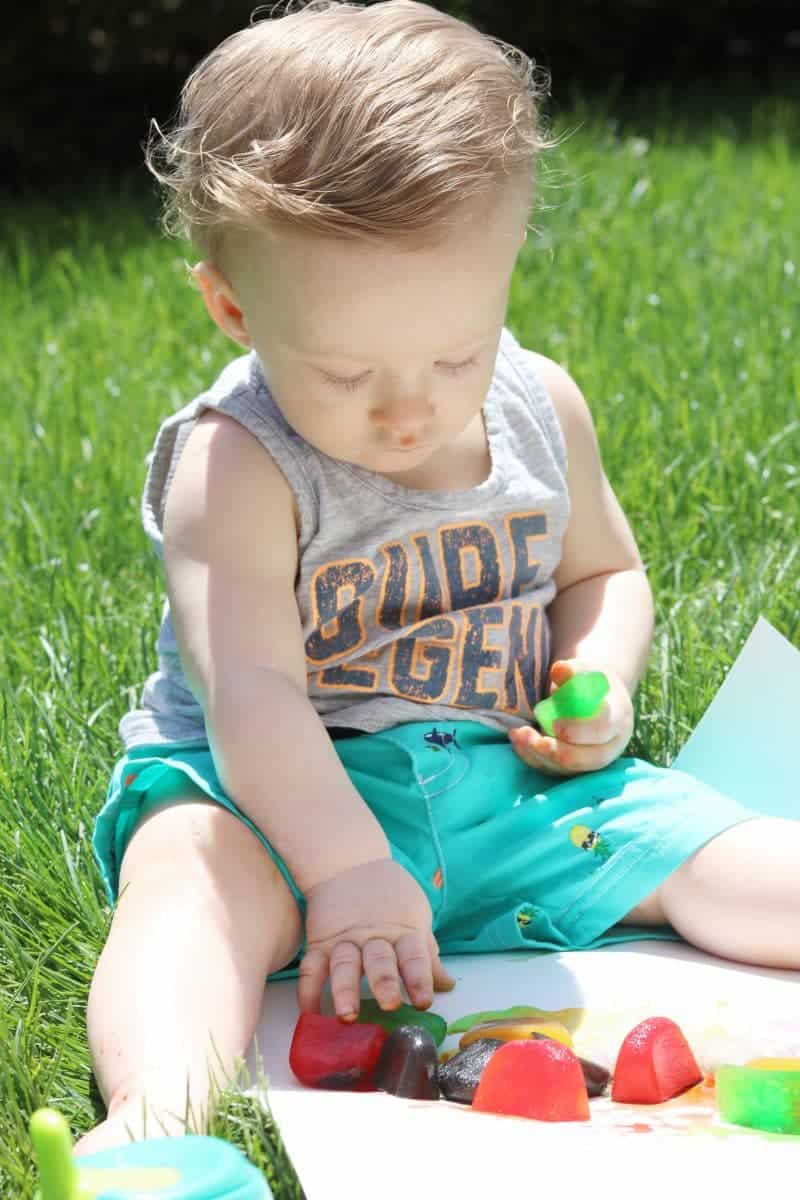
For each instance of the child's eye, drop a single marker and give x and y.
(454, 368)
(350, 385)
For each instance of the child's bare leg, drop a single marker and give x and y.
(739, 895)
(179, 987)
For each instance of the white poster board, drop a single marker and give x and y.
(370, 1145)
(745, 744)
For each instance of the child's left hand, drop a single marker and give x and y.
(583, 745)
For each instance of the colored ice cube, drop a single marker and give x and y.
(570, 1018)
(514, 1029)
(579, 698)
(371, 1013)
(655, 1062)
(594, 1076)
(775, 1064)
(761, 1098)
(460, 1075)
(408, 1064)
(538, 1078)
(329, 1053)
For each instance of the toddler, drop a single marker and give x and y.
(386, 534)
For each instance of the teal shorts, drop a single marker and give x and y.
(510, 858)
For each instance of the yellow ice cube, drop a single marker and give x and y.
(514, 1029)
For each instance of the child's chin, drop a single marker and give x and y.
(404, 458)
(392, 462)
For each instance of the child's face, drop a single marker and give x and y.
(378, 356)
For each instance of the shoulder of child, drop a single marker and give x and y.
(230, 559)
(598, 539)
(567, 399)
(225, 475)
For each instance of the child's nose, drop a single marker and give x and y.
(402, 416)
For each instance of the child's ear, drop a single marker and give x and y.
(221, 302)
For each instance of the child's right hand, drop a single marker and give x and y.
(373, 919)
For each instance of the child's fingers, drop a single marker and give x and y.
(381, 970)
(595, 731)
(346, 980)
(312, 974)
(537, 750)
(560, 758)
(414, 963)
(443, 981)
(561, 670)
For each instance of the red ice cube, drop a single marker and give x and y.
(655, 1062)
(329, 1053)
(537, 1078)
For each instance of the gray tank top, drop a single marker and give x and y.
(415, 605)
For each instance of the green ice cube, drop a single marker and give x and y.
(580, 697)
(371, 1013)
(768, 1100)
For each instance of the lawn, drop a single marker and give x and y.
(664, 274)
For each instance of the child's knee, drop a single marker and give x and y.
(194, 852)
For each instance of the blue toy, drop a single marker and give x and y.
(167, 1168)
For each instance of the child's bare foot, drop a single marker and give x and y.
(132, 1120)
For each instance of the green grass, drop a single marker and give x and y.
(665, 275)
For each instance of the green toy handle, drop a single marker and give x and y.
(51, 1139)
(579, 698)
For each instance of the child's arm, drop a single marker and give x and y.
(603, 608)
(230, 558)
(230, 555)
(602, 615)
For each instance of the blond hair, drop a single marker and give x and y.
(346, 120)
